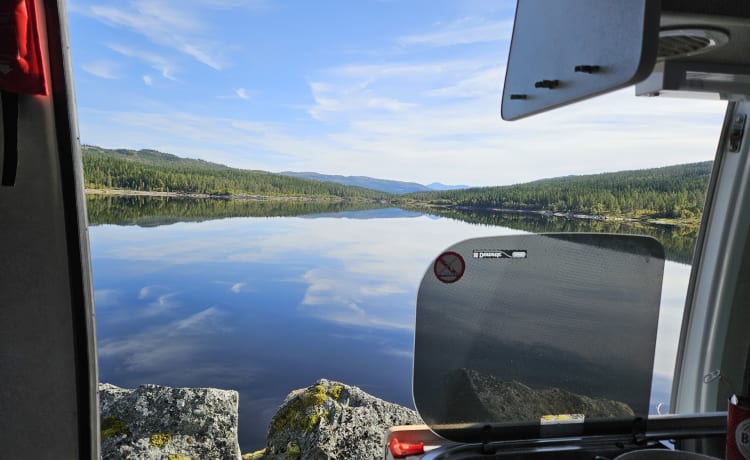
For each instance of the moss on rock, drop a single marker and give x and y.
(113, 426)
(335, 391)
(293, 450)
(303, 412)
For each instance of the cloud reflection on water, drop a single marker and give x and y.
(266, 305)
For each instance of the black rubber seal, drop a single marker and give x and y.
(10, 138)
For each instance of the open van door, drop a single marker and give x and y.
(47, 342)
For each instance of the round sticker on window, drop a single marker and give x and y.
(449, 267)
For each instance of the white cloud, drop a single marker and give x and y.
(106, 297)
(148, 80)
(242, 93)
(237, 287)
(462, 32)
(163, 65)
(168, 24)
(175, 349)
(102, 69)
(204, 54)
(162, 304)
(391, 105)
(146, 291)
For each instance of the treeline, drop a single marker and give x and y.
(669, 192)
(152, 211)
(149, 170)
(678, 241)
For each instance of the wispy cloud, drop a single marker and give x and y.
(464, 31)
(242, 93)
(106, 297)
(163, 65)
(148, 80)
(176, 26)
(102, 69)
(146, 291)
(179, 351)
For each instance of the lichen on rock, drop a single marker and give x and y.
(158, 422)
(331, 420)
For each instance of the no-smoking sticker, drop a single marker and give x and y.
(449, 267)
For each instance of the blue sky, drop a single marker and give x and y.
(406, 90)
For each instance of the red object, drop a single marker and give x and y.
(738, 430)
(404, 449)
(21, 69)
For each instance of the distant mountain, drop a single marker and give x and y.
(439, 186)
(382, 185)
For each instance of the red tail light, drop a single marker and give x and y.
(21, 69)
(404, 449)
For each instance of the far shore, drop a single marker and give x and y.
(123, 192)
(240, 197)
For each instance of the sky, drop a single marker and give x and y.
(394, 89)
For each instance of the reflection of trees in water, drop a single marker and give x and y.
(149, 211)
(152, 211)
(678, 242)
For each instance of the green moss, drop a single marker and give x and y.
(178, 457)
(160, 439)
(312, 422)
(113, 426)
(335, 391)
(301, 413)
(315, 397)
(293, 450)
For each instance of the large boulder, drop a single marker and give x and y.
(157, 422)
(331, 420)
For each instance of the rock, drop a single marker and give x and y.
(481, 397)
(331, 420)
(157, 422)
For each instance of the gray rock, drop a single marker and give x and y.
(157, 422)
(331, 420)
(481, 397)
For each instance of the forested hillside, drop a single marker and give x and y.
(149, 170)
(673, 192)
(669, 192)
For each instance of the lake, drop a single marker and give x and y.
(267, 297)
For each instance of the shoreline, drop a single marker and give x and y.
(124, 192)
(661, 221)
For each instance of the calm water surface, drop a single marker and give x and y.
(190, 296)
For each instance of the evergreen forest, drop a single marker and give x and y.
(149, 170)
(672, 192)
